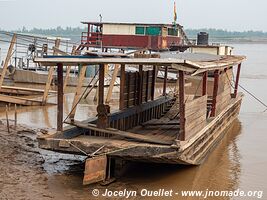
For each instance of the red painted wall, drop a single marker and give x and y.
(142, 41)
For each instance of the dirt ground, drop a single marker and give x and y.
(21, 172)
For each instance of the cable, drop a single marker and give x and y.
(74, 107)
(252, 95)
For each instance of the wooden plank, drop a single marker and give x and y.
(165, 80)
(66, 78)
(68, 70)
(147, 97)
(141, 138)
(95, 170)
(182, 133)
(153, 86)
(140, 88)
(26, 89)
(215, 92)
(78, 92)
(179, 64)
(8, 57)
(189, 105)
(48, 84)
(112, 83)
(50, 76)
(122, 83)
(20, 100)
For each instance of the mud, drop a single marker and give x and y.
(21, 172)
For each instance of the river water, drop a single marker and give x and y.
(238, 162)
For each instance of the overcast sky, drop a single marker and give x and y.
(226, 14)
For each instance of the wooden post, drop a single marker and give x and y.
(153, 86)
(78, 92)
(204, 83)
(140, 88)
(165, 81)
(182, 105)
(122, 84)
(237, 80)
(101, 84)
(7, 120)
(8, 57)
(15, 116)
(60, 97)
(215, 92)
(112, 83)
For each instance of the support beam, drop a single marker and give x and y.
(78, 92)
(68, 70)
(101, 84)
(237, 80)
(215, 92)
(204, 83)
(50, 75)
(60, 97)
(122, 84)
(165, 81)
(112, 83)
(48, 84)
(8, 57)
(140, 88)
(181, 135)
(155, 72)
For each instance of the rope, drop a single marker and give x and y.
(105, 153)
(252, 95)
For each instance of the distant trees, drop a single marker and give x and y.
(224, 34)
(75, 32)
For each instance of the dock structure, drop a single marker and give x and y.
(21, 95)
(178, 129)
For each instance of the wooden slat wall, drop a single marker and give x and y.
(224, 92)
(195, 115)
(131, 93)
(139, 114)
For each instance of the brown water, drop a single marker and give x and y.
(238, 162)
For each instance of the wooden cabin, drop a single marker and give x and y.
(131, 36)
(179, 129)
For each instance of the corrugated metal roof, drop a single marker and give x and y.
(192, 65)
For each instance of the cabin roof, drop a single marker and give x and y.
(127, 23)
(195, 66)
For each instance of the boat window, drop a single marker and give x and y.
(173, 31)
(152, 30)
(140, 30)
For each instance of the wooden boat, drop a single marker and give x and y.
(179, 129)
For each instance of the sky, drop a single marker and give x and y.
(234, 15)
